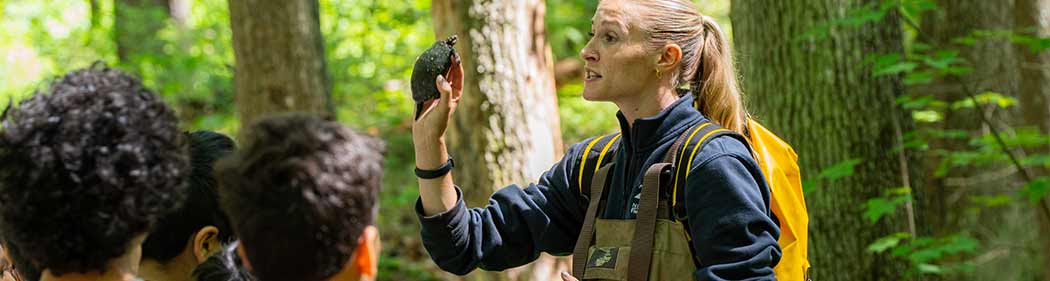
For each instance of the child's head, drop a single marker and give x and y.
(187, 236)
(87, 165)
(302, 194)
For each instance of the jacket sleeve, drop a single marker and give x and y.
(515, 226)
(727, 203)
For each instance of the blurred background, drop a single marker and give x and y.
(921, 125)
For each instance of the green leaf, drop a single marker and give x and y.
(925, 255)
(876, 208)
(839, 170)
(885, 243)
(808, 186)
(1037, 189)
(986, 98)
(919, 77)
(895, 68)
(960, 244)
(926, 116)
(903, 191)
(1037, 160)
(991, 201)
(929, 268)
(913, 103)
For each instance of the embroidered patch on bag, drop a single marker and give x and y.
(603, 257)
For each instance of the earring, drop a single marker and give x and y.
(657, 73)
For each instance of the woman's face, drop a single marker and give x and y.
(616, 60)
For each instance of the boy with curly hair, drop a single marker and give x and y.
(301, 194)
(86, 167)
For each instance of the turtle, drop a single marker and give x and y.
(437, 60)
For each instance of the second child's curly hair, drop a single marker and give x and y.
(300, 192)
(87, 164)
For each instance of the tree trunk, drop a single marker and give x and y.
(136, 23)
(1035, 93)
(507, 123)
(997, 67)
(821, 96)
(280, 62)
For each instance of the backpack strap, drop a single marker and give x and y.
(645, 223)
(699, 136)
(583, 242)
(585, 174)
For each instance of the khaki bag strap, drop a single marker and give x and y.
(645, 223)
(583, 242)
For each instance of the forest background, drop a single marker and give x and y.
(921, 125)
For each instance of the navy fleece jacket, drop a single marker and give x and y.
(727, 201)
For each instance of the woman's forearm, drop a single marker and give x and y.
(437, 195)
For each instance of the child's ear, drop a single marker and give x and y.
(205, 243)
(366, 257)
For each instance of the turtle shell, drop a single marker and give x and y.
(435, 61)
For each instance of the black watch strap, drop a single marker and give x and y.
(436, 173)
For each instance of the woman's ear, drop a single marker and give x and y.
(205, 243)
(669, 57)
(366, 257)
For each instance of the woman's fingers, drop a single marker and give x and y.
(566, 277)
(445, 88)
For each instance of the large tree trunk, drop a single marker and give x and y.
(280, 58)
(507, 123)
(1035, 94)
(821, 96)
(136, 23)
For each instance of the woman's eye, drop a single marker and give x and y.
(591, 34)
(609, 38)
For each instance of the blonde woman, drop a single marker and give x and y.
(639, 54)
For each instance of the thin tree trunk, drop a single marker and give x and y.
(135, 26)
(821, 96)
(1034, 15)
(507, 123)
(96, 13)
(280, 62)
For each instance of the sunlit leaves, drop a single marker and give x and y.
(928, 254)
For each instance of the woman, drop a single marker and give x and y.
(640, 52)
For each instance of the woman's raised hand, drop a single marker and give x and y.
(432, 123)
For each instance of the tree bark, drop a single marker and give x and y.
(136, 23)
(507, 124)
(1031, 16)
(998, 66)
(821, 96)
(280, 61)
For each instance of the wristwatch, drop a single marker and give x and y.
(436, 173)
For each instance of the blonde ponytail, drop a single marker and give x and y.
(707, 61)
(714, 84)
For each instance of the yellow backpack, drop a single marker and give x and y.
(779, 165)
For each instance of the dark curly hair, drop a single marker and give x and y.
(86, 165)
(200, 209)
(300, 192)
(224, 265)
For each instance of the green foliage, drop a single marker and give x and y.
(831, 173)
(878, 207)
(1036, 190)
(928, 255)
(583, 119)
